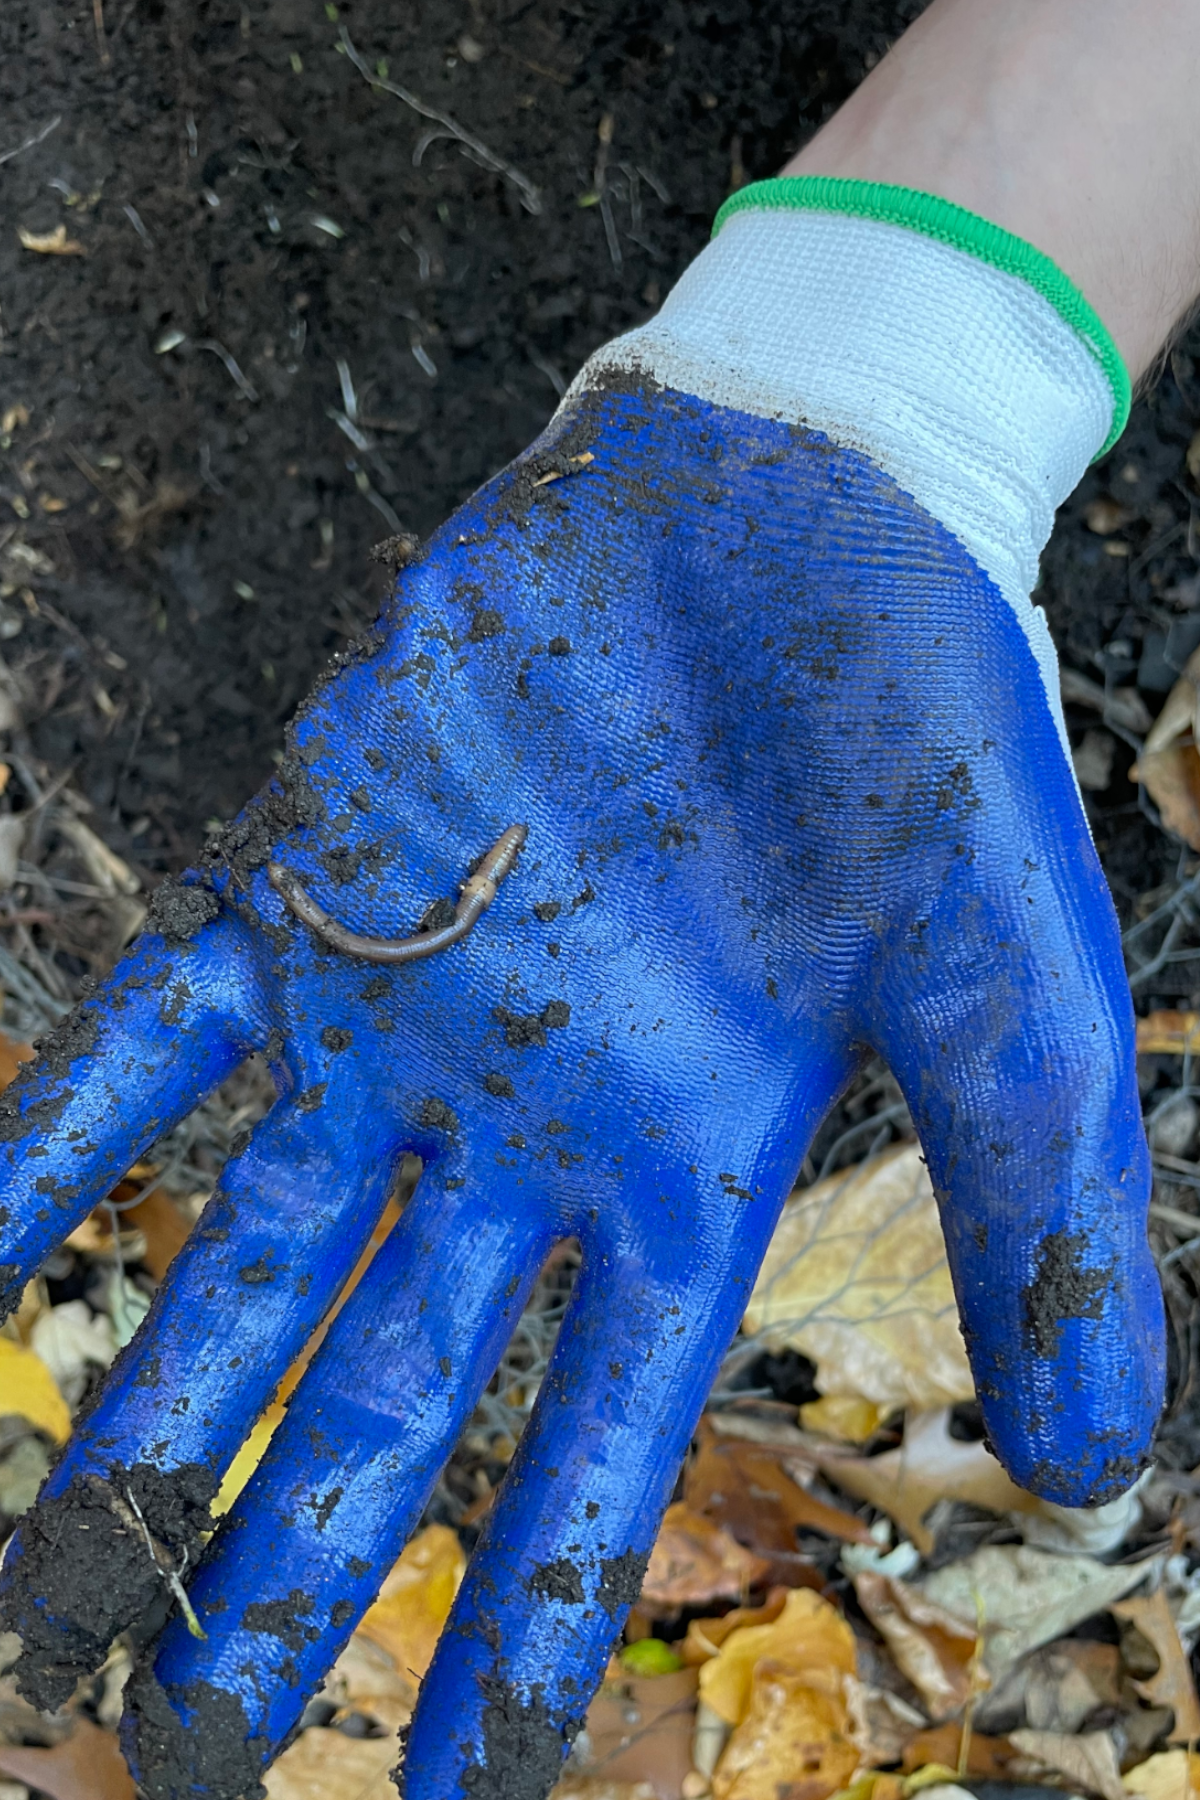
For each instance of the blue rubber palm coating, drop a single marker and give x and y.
(794, 792)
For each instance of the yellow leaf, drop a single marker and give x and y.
(810, 1639)
(415, 1600)
(51, 243)
(28, 1389)
(1169, 1033)
(842, 1416)
(1171, 1775)
(792, 1740)
(856, 1278)
(247, 1459)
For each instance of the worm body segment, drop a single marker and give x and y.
(476, 894)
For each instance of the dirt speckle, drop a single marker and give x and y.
(621, 1580)
(283, 1619)
(437, 1116)
(558, 1580)
(1063, 1289)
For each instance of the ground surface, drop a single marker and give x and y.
(232, 177)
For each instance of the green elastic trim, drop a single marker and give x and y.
(963, 230)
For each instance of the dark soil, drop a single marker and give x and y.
(190, 556)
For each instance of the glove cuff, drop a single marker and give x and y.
(958, 358)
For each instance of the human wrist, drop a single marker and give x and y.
(1073, 126)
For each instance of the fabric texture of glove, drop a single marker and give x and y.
(744, 643)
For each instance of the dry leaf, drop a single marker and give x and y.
(928, 1466)
(1169, 1033)
(794, 1743)
(50, 243)
(810, 1640)
(705, 1636)
(929, 1645)
(1055, 1689)
(1027, 1597)
(856, 1278)
(12, 1055)
(742, 1487)
(365, 1679)
(415, 1600)
(1088, 1761)
(28, 1390)
(1172, 779)
(1173, 1686)
(881, 1723)
(327, 1765)
(693, 1562)
(988, 1757)
(1169, 766)
(596, 1787)
(842, 1416)
(1171, 1775)
(85, 1766)
(639, 1731)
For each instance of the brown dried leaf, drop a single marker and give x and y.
(989, 1757)
(928, 1644)
(639, 1730)
(928, 1466)
(856, 1278)
(12, 1055)
(693, 1562)
(742, 1487)
(1172, 780)
(86, 1766)
(597, 1787)
(1173, 1685)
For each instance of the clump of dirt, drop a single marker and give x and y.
(211, 1755)
(82, 1569)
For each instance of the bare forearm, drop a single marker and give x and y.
(1074, 124)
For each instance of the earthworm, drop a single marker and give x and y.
(475, 896)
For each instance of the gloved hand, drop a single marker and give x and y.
(744, 647)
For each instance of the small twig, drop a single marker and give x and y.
(531, 198)
(37, 138)
(230, 362)
(168, 1573)
(101, 40)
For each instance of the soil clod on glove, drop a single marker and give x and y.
(745, 643)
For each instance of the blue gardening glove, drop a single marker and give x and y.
(733, 684)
